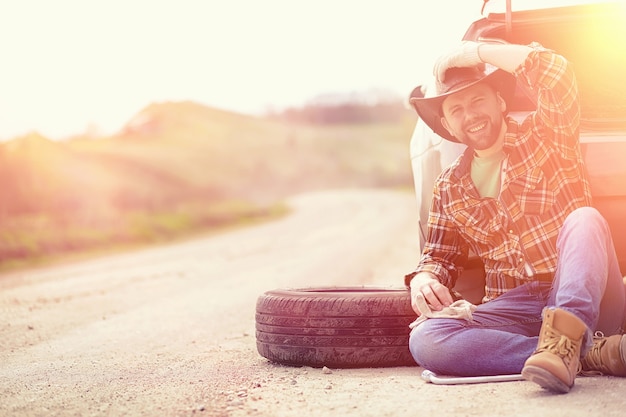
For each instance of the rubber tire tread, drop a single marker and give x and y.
(337, 327)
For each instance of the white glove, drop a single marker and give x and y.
(464, 56)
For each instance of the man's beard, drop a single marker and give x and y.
(484, 139)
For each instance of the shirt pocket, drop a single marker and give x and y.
(479, 222)
(533, 191)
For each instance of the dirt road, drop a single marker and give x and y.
(169, 331)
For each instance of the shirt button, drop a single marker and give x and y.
(511, 231)
(520, 261)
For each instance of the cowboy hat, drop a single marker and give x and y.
(458, 79)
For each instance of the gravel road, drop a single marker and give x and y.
(169, 331)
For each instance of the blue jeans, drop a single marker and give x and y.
(504, 332)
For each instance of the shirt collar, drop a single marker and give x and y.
(463, 164)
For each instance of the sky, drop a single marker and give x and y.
(73, 65)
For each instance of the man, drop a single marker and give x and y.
(519, 199)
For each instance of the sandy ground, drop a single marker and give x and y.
(169, 331)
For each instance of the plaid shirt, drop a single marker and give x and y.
(543, 182)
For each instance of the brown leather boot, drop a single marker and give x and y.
(554, 363)
(607, 356)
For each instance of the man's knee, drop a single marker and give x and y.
(425, 343)
(586, 217)
(584, 224)
(416, 342)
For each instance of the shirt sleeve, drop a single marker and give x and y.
(552, 80)
(445, 251)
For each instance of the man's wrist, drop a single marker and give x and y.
(478, 45)
(408, 278)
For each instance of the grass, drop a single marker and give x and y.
(179, 170)
(30, 247)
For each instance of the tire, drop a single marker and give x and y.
(337, 327)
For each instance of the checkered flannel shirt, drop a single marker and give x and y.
(544, 180)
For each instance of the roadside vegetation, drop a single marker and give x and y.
(181, 168)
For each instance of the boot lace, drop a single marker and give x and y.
(558, 344)
(591, 364)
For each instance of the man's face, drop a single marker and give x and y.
(474, 116)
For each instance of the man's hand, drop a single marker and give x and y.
(464, 56)
(425, 286)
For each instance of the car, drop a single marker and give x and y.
(591, 36)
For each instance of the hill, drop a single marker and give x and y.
(179, 167)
